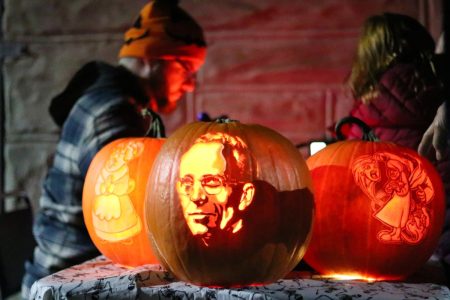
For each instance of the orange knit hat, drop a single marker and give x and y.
(164, 30)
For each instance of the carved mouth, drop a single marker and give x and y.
(201, 214)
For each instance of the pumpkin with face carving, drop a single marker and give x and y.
(229, 204)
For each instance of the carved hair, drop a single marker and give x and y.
(235, 151)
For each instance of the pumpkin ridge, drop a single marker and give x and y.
(159, 142)
(178, 153)
(272, 150)
(269, 152)
(253, 165)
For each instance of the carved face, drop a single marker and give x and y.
(208, 198)
(202, 187)
(371, 170)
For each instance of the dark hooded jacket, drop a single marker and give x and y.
(99, 105)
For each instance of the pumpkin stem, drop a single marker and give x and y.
(368, 134)
(156, 127)
(225, 120)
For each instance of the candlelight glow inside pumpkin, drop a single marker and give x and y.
(400, 193)
(382, 218)
(113, 214)
(348, 277)
(113, 199)
(206, 182)
(229, 204)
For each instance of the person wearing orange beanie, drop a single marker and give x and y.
(163, 30)
(164, 37)
(157, 63)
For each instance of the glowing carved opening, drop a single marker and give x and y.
(214, 185)
(400, 192)
(113, 215)
(353, 276)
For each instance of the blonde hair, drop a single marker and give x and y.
(387, 39)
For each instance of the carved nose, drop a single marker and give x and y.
(198, 195)
(199, 201)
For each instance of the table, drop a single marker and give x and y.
(101, 279)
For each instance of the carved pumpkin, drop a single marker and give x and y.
(379, 209)
(113, 199)
(229, 204)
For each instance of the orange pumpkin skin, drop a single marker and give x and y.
(370, 223)
(113, 200)
(269, 244)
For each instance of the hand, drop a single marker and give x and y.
(434, 140)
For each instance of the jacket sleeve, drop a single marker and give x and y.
(118, 121)
(61, 236)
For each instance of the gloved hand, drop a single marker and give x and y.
(434, 140)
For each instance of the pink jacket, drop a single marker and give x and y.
(404, 109)
(401, 113)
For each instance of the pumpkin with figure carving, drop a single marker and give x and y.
(229, 204)
(379, 210)
(113, 199)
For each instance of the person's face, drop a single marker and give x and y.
(168, 82)
(203, 189)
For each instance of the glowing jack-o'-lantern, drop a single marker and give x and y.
(113, 199)
(379, 209)
(229, 204)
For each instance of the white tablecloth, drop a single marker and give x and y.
(101, 279)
